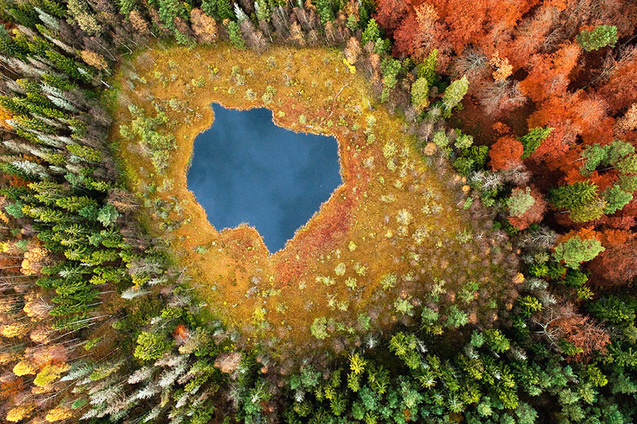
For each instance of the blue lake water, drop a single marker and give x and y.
(246, 169)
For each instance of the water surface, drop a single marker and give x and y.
(246, 169)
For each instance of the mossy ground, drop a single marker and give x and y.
(392, 239)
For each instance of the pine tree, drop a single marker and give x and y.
(573, 195)
(454, 94)
(601, 36)
(127, 6)
(107, 215)
(325, 11)
(533, 139)
(520, 202)
(151, 346)
(262, 10)
(84, 16)
(371, 33)
(419, 93)
(219, 9)
(234, 32)
(616, 199)
(390, 69)
(169, 10)
(427, 69)
(577, 250)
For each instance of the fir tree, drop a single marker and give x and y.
(234, 32)
(601, 36)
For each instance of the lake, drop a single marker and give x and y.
(245, 169)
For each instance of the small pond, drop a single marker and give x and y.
(246, 169)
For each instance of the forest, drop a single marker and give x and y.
(477, 265)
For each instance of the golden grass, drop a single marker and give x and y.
(392, 217)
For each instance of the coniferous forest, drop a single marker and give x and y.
(477, 265)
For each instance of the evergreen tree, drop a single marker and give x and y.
(601, 36)
(262, 10)
(419, 93)
(534, 139)
(107, 215)
(576, 250)
(454, 94)
(427, 69)
(169, 10)
(127, 6)
(151, 346)
(218, 9)
(573, 195)
(371, 33)
(616, 199)
(325, 11)
(520, 202)
(234, 32)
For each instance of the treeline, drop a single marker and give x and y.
(96, 325)
(71, 245)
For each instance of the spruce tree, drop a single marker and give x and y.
(169, 10)
(454, 94)
(371, 33)
(601, 36)
(534, 139)
(573, 195)
(577, 250)
(325, 11)
(236, 38)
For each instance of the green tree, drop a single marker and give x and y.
(616, 199)
(224, 9)
(262, 10)
(390, 69)
(601, 36)
(627, 165)
(127, 6)
(151, 346)
(427, 69)
(576, 250)
(107, 215)
(456, 318)
(595, 155)
(617, 150)
(234, 32)
(14, 209)
(419, 93)
(319, 328)
(84, 16)
(520, 202)
(573, 195)
(496, 340)
(454, 94)
(534, 139)
(169, 10)
(325, 11)
(371, 33)
(590, 211)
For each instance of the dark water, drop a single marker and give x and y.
(246, 169)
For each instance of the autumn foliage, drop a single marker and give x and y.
(586, 336)
(506, 153)
(533, 64)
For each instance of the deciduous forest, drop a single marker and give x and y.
(477, 265)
